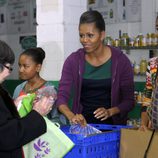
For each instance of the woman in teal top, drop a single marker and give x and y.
(96, 91)
(114, 86)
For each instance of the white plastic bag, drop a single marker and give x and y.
(83, 130)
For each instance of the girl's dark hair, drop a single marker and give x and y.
(6, 54)
(37, 54)
(93, 16)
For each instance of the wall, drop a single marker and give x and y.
(72, 11)
(148, 14)
(146, 25)
(50, 36)
(57, 32)
(11, 17)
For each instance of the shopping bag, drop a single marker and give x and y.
(53, 144)
(25, 106)
(153, 110)
(134, 144)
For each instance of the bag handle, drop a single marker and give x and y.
(147, 149)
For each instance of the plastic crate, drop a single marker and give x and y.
(102, 145)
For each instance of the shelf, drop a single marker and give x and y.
(151, 49)
(139, 78)
(143, 47)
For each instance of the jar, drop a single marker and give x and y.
(108, 40)
(153, 39)
(143, 67)
(136, 42)
(141, 40)
(116, 42)
(135, 96)
(131, 42)
(136, 69)
(139, 97)
(125, 40)
(148, 39)
(156, 38)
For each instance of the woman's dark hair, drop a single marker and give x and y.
(37, 54)
(6, 54)
(93, 16)
(7, 57)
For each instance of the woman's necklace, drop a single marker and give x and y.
(34, 88)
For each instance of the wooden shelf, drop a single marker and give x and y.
(139, 78)
(143, 47)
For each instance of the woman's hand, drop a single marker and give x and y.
(145, 127)
(18, 100)
(43, 106)
(78, 119)
(145, 122)
(102, 113)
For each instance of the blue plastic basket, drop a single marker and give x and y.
(102, 145)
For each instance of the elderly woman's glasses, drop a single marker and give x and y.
(8, 67)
